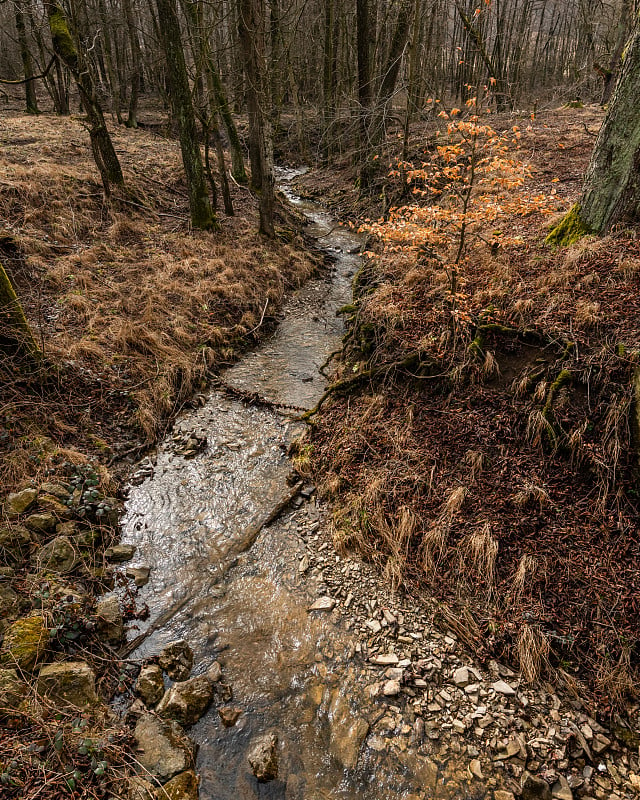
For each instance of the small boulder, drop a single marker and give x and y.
(214, 673)
(118, 553)
(68, 683)
(150, 684)
(263, 758)
(139, 575)
(58, 555)
(229, 715)
(41, 523)
(186, 701)
(110, 621)
(324, 603)
(163, 749)
(19, 502)
(12, 691)
(461, 677)
(535, 788)
(25, 642)
(58, 490)
(15, 544)
(48, 502)
(391, 688)
(183, 787)
(176, 660)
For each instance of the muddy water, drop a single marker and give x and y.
(243, 600)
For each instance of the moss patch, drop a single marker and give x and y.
(569, 230)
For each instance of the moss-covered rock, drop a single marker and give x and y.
(68, 683)
(163, 748)
(55, 506)
(183, 787)
(41, 523)
(20, 502)
(58, 555)
(25, 642)
(569, 230)
(186, 701)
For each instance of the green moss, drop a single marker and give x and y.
(62, 42)
(574, 104)
(564, 377)
(570, 230)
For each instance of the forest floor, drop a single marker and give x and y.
(133, 311)
(493, 463)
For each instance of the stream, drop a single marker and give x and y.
(242, 596)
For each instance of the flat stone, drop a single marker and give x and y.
(183, 787)
(229, 715)
(118, 553)
(502, 687)
(475, 768)
(150, 684)
(348, 731)
(163, 748)
(502, 794)
(19, 502)
(58, 555)
(600, 743)
(391, 688)
(25, 642)
(176, 659)
(139, 575)
(41, 523)
(69, 683)
(324, 603)
(110, 620)
(48, 502)
(384, 659)
(186, 701)
(56, 489)
(373, 625)
(461, 677)
(263, 757)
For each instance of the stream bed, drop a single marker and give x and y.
(240, 593)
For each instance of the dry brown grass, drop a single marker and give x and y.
(479, 554)
(533, 651)
(123, 290)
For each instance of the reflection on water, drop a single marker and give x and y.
(192, 522)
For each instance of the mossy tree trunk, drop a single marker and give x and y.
(16, 337)
(101, 145)
(611, 192)
(202, 215)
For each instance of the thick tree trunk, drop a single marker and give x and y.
(16, 337)
(611, 192)
(202, 215)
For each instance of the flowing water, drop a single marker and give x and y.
(234, 590)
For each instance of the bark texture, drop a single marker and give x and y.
(16, 337)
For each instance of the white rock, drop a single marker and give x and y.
(373, 625)
(502, 687)
(384, 659)
(461, 677)
(391, 688)
(324, 603)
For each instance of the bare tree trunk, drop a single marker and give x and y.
(136, 64)
(202, 215)
(251, 29)
(27, 64)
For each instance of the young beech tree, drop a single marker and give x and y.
(611, 192)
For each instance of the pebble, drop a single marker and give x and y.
(324, 603)
(502, 687)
